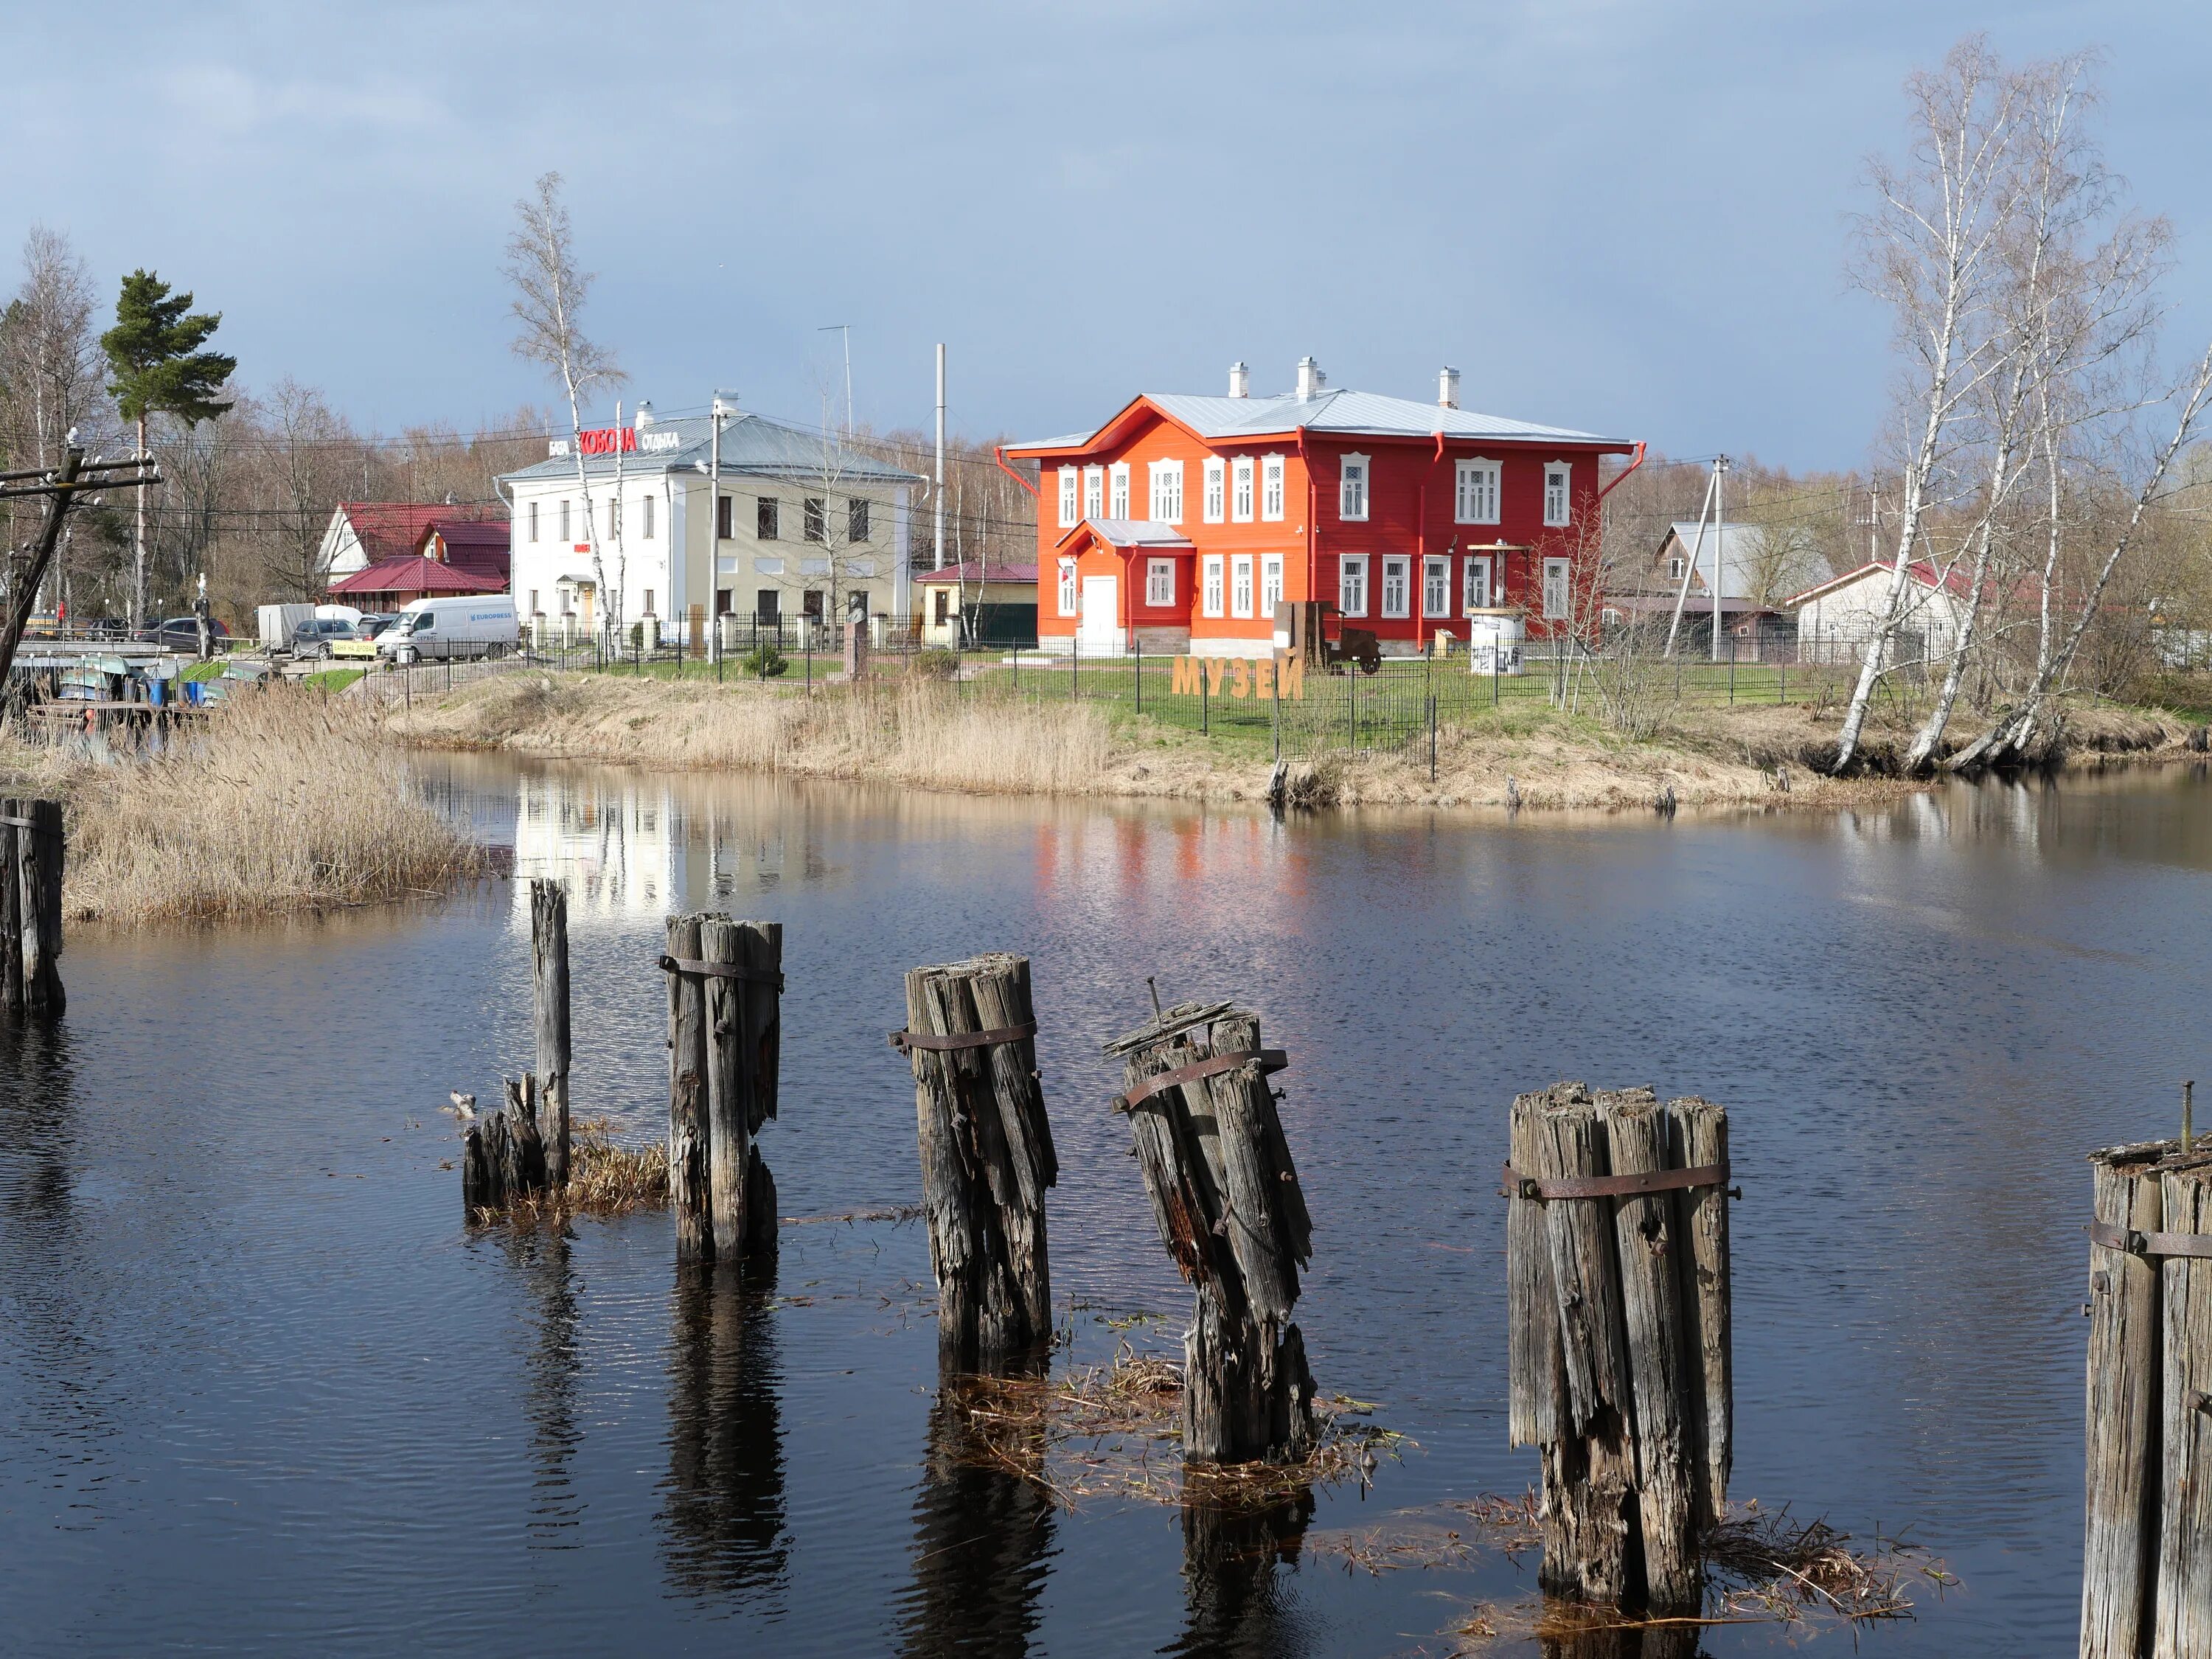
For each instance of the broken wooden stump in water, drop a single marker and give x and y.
(2147, 1554)
(503, 1158)
(986, 1156)
(1619, 1339)
(724, 1034)
(31, 858)
(1226, 1197)
(549, 962)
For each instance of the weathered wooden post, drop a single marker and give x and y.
(34, 910)
(687, 1092)
(1619, 1339)
(549, 962)
(986, 1156)
(503, 1158)
(11, 909)
(744, 974)
(2147, 1554)
(1226, 1197)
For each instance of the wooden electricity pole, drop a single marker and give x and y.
(61, 486)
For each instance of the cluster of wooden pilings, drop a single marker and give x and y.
(1617, 1309)
(2147, 1554)
(725, 1031)
(31, 850)
(521, 1151)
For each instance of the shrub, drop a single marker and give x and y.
(937, 663)
(764, 662)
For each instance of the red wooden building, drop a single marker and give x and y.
(1177, 525)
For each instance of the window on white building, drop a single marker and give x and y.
(856, 521)
(1475, 502)
(1068, 588)
(1397, 585)
(767, 520)
(1556, 589)
(565, 535)
(1239, 494)
(648, 518)
(1160, 582)
(533, 602)
(1436, 587)
(1271, 582)
(1556, 474)
(1071, 511)
(1166, 505)
(1240, 586)
(649, 602)
(1352, 489)
(1217, 490)
(614, 518)
(1351, 585)
(1094, 492)
(1117, 492)
(1477, 580)
(814, 519)
(1271, 488)
(533, 521)
(1209, 601)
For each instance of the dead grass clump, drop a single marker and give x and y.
(280, 800)
(1115, 1431)
(1769, 1567)
(603, 1179)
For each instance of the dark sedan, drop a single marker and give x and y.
(180, 633)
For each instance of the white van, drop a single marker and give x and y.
(483, 625)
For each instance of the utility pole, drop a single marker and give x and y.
(939, 545)
(717, 411)
(1690, 569)
(61, 487)
(1720, 545)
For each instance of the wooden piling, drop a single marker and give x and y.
(687, 1096)
(11, 910)
(1231, 1212)
(744, 1025)
(2182, 1603)
(35, 873)
(549, 962)
(986, 1156)
(1617, 1293)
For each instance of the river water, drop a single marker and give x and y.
(261, 1392)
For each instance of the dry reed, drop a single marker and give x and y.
(1115, 1431)
(280, 801)
(603, 1179)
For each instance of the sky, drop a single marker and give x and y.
(1625, 218)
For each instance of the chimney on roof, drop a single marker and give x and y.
(1240, 380)
(1448, 389)
(644, 415)
(1310, 378)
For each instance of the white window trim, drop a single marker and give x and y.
(1164, 492)
(1471, 586)
(1347, 566)
(1242, 579)
(1273, 471)
(1211, 582)
(1487, 496)
(1094, 492)
(1566, 567)
(1117, 490)
(1435, 562)
(1271, 583)
(1071, 595)
(1216, 505)
(1351, 510)
(1567, 515)
(1243, 490)
(1402, 562)
(1071, 498)
(1154, 569)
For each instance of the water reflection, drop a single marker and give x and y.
(1237, 1606)
(981, 1535)
(552, 1367)
(724, 1527)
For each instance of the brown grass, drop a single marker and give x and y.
(1115, 1431)
(281, 801)
(603, 1179)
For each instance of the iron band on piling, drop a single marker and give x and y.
(1270, 1060)
(2145, 1243)
(904, 1042)
(722, 971)
(1616, 1186)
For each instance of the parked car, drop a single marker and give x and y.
(374, 623)
(180, 633)
(315, 638)
(481, 625)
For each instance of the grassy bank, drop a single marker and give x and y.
(278, 802)
(932, 735)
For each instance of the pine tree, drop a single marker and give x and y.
(154, 354)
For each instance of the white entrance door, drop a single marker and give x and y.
(1101, 629)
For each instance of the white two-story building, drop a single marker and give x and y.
(806, 527)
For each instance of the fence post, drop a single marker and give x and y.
(1275, 714)
(1433, 737)
(1204, 705)
(1731, 673)
(1075, 670)
(1138, 677)
(1783, 698)
(1351, 706)
(1493, 675)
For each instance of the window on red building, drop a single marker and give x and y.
(1556, 477)
(1211, 601)
(1240, 586)
(1351, 585)
(1271, 488)
(1397, 585)
(1160, 582)
(1436, 587)
(1352, 489)
(1216, 491)
(1240, 497)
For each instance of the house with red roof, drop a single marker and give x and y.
(1180, 523)
(1836, 618)
(456, 556)
(364, 533)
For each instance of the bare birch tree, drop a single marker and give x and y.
(549, 290)
(51, 378)
(1929, 250)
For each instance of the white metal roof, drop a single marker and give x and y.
(1344, 412)
(751, 444)
(1137, 532)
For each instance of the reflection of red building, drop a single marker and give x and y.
(1178, 525)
